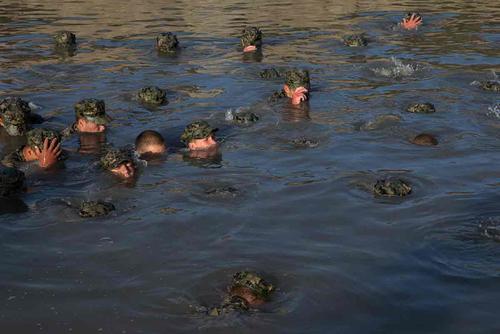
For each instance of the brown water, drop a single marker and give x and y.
(344, 261)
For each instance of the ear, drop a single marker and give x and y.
(287, 90)
(30, 152)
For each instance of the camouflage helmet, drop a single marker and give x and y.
(92, 110)
(15, 122)
(297, 78)
(197, 130)
(166, 42)
(252, 281)
(11, 181)
(36, 137)
(65, 38)
(355, 40)
(251, 36)
(391, 187)
(152, 95)
(14, 104)
(95, 208)
(114, 157)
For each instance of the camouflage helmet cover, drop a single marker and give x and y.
(197, 130)
(252, 281)
(92, 110)
(113, 157)
(298, 78)
(36, 137)
(251, 36)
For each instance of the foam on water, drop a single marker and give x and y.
(397, 69)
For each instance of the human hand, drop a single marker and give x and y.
(411, 21)
(49, 154)
(250, 48)
(299, 95)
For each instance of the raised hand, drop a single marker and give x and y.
(299, 95)
(250, 48)
(49, 154)
(411, 21)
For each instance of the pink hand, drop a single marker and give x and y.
(412, 23)
(299, 95)
(250, 48)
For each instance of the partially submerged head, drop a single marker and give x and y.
(355, 40)
(65, 39)
(90, 209)
(119, 162)
(91, 116)
(15, 115)
(251, 288)
(425, 139)
(421, 108)
(35, 140)
(297, 85)
(199, 135)
(167, 42)
(14, 122)
(251, 39)
(392, 187)
(152, 95)
(150, 142)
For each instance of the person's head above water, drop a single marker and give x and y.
(91, 116)
(65, 39)
(251, 39)
(251, 288)
(15, 116)
(14, 122)
(199, 135)
(167, 42)
(119, 162)
(42, 145)
(297, 85)
(150, 142)
(411, 21)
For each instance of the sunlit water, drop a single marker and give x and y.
(344, 261)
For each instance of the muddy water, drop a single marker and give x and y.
(344, 261)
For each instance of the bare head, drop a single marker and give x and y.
(150, 142)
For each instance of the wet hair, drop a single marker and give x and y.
(148, 137)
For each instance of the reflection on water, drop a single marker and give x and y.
(300, 212)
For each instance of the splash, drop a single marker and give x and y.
(231, 113)
(494, 111)
(397, 69)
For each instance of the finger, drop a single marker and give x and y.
(57, 148)
(301, 90)
(45, 144)
(58, 153)
(53, 144)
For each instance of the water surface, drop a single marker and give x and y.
(344, 261)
